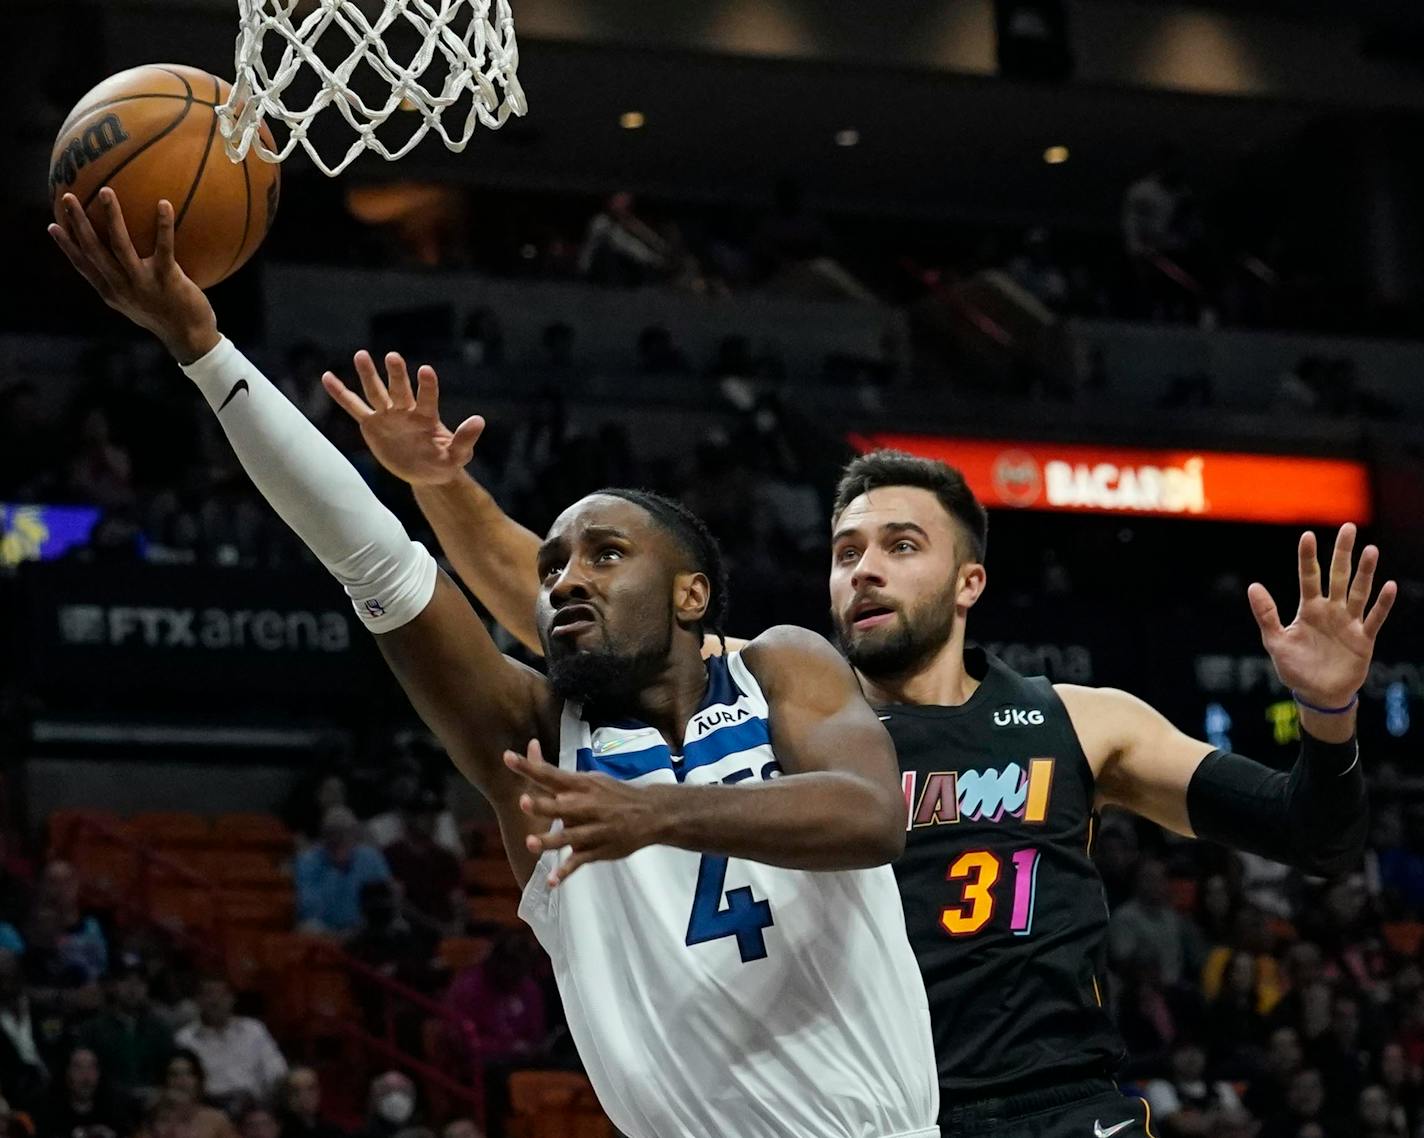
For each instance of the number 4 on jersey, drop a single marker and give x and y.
(743, 917)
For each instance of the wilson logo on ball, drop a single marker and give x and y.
(96, 141)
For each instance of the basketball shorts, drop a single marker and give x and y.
(1092, 1109)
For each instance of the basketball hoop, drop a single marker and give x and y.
(459, 50)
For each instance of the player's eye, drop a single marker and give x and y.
(903, 547)
(847, 555)
(552, 570)
(607, 554)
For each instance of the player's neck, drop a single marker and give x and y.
(940, 681)
(670, 700)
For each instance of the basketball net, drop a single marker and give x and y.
(461, 50)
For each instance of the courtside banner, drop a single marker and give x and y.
(1157, 483)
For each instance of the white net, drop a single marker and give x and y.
(297, 58)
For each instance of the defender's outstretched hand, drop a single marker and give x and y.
(1324, 654)
(153, 291)
(402, 425)
(603, 819)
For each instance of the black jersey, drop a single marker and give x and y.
(1005, 909)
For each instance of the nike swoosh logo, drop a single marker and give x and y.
(240, 385)
(883, 718)
(1099, 1132)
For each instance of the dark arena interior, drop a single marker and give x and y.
(1149, 274)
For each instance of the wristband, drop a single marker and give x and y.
(1354, 699)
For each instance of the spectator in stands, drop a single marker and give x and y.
(1380, 1116)
(16, 893)
(1305, 1102)
(462, 1128)
(301, 1107)
(620, 248)
(1186, 1101)
(59, 988)
(658, 355)
(1236, 1027)
(391, 1106)
(238, 1053)
(428, 872)
(23, 1074)
(404, 793)
(394, 947)
(26, 441)
(1036, 270)
(1266, 1096)
(497, 1007)
(329, 875)
(83, 1103)
(257, 1121)
(1149, 924)
(82, 940)
(101, 471)
(131, 1041)
(1402, 1080)
(482, 339)
(185, 1086)
(557, 341)
(1160, 227)
(1342, 1051)
(311, 798)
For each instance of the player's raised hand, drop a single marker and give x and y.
(153, 291)
(1324, 654)
(402, 424)
(602, 819)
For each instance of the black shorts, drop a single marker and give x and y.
(1093, 1109)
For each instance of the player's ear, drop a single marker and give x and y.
(970, 581)
(691, 595)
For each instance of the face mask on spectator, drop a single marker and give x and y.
(396, 1107)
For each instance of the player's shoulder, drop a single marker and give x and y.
(1107, 716)
(787, 650)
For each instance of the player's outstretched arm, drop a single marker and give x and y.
(838, 804)
(1314, 816)
(477, 700)
(495, 556)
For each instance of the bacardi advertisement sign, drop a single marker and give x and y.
(1157, 483)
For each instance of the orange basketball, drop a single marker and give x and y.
(151, 133)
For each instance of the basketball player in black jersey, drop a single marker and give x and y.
(1003, 775)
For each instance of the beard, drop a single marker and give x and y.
(912, 639)
(607, 676)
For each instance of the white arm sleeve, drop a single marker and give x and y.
(389, 578)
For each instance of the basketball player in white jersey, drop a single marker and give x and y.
(706, 857)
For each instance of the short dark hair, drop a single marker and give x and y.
(696, 542)
(882, 468)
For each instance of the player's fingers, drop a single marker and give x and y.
(78, 259)
(566, 870)
(1341, 561)
(402, 397)
(345, 398)
(1263, 608)
(120, 243)
(540, 806)
(82, 231)
(166, 239)
(1383, 603)
(580, 837)
(1309, 568)
(427, 391)
(467, 434)
(376, 394)
(533, 767)
(1364, 582)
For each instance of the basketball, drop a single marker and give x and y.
(151, 133)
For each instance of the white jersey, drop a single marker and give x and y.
(721, 998)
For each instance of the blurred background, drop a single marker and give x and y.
(1085, 249)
